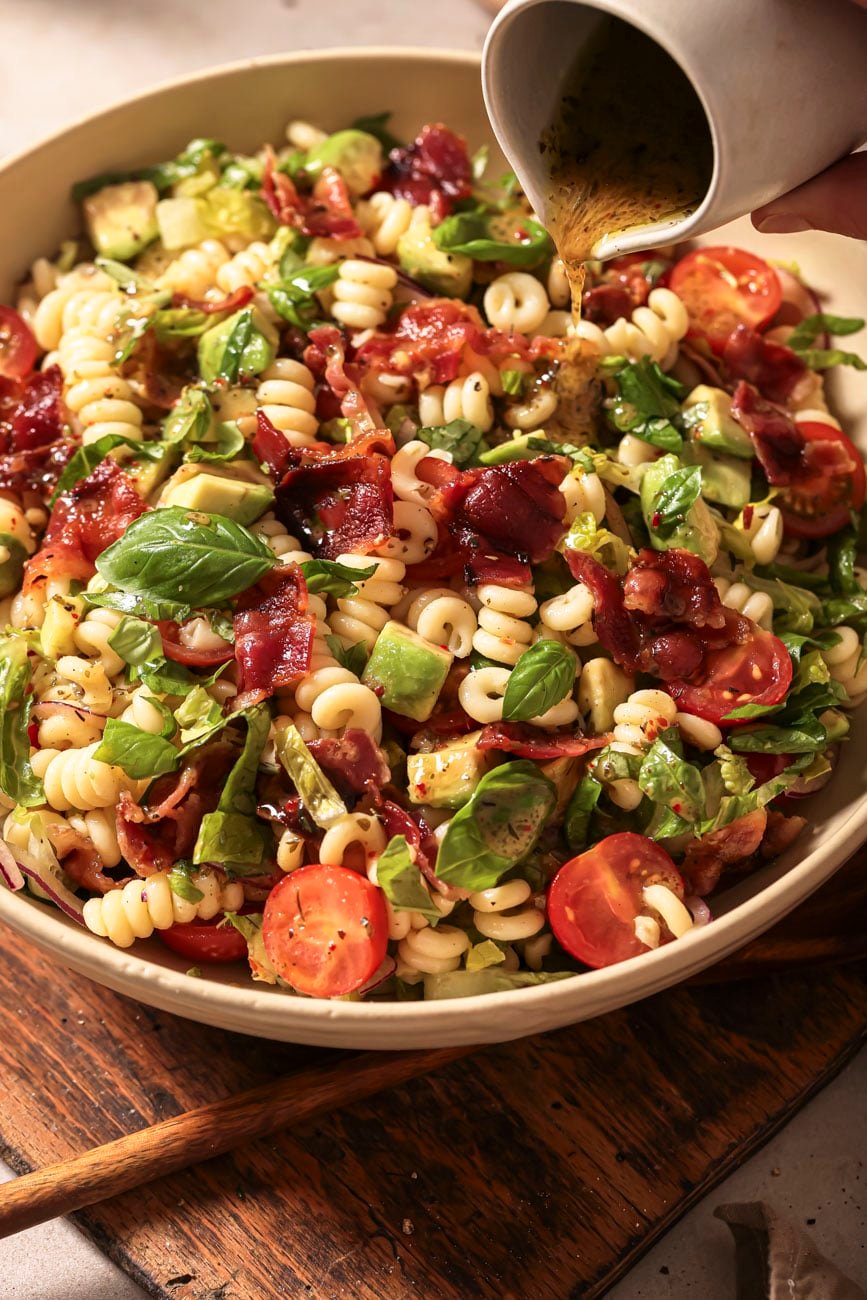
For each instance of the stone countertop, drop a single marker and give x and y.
(61, 60)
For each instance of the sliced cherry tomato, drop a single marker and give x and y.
(17, 345)
(764, 767)
(725, 287)
(594, 899)
(325, 930)
(205, 941)
(174, 648)
(831, 484)
(757, 672)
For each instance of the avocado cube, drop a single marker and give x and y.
(214, 494)
(708, 413)
(355, 154)
(447, 777)
(449, 274)
(697, 532)
(406, 671)
(121, 219)
(724, 479)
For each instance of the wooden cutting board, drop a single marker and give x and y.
(539, 1169)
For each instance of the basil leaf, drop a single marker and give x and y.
(825, 358)
(543, 676)
(171, 323)
(141, 607)
(140, 754)
(317, 794)
(333, 578)
(354, 657)
(233, 349)
(377, 125)
(198, 715)
(227, 442)
(190, 418)
(185, 556)
(842, 550)
(130, 281)
(611, 765)
(821, 322)
(471, 984)
(497, 827)
(180, 883)
(462, 439)
(294, 297)
(576, 825)
(647, 399)
(18, 781)
(513, 382)
(136, 641)
(806, 737)
(796, 609)
(795, 644)
(472, 234)
(400, 880)
(232, 835)
(734, 806)
(667, 779)
(127, 333)
(165, 677)
(87, 457)
(673, 502)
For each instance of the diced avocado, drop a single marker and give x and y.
(121, 219)
(697, 533)
(602, 686)
(406, 671)
(148, 474)
(180, 223)
(216, 495)
(724, 479)
(355, 154)
(710, 421)
(13, 555)
(450, 274)
(223, 353)
(517, 448)
(62, 617)
(448, 776)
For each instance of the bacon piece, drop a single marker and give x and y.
(502, 570)
(339, 498)
(37, 470)
(155, 837)
(32, 413)
(516, 508)
(326, 356)
(234, 302)
(673, 584)
(606, 303)
(270, 446)
(83, 865)
(86, 519)
(326, 213)
(273, 634)
(614, 627)
(777, 440)
(781, 831)
(435, 169)
(354, 762)
(773, 368)
(707, 858)
(430, 336)
(528, 742)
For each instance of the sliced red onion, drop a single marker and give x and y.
(798, 301)
(9, 868)
(57, 892)
(701, 913)
(380, 975)
(48, 709)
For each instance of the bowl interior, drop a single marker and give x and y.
(244, 105)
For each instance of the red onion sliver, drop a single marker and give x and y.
(58, 893)
(699, 909)
(9, 869)
(380, 975)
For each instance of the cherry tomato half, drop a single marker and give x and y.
(725, 287)
(205, 941)
(764, 767)
(830, 486)
(325, 930)
(757, 672)
(594, 899)
(17, 345)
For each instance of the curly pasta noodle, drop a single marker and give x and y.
(756, 605)
(405, 482)
(142, 906)
(632, 451)
(414, 537)
(73, 778)
(559, 289)
(603, 685)
(764, 532)
(385, 219)
(14, 524)
(445, 618)
(61, 308)
(331, 698)
(654, 331)
(285, 396)
(516, 301)
(534, 411)
(353, 840)
(847, 664)
(572, 614)
(465, 398)
(91, 637)
(100, 826)
(363, 616)
(194, 272)
(585, 494)
(102, 401)
(362, 293)
(637, 723)
(503, 632)
(277, 538)
(507, 913)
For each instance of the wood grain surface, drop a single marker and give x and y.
(539, 1169)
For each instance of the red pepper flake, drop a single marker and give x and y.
(748, 516)
(656, 520)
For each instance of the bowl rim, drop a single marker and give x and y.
(274, 1008)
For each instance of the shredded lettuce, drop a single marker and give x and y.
(317, 794)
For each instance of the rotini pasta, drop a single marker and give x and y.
(654, 331)
(142, 906)
(362, 293)
(465, 398)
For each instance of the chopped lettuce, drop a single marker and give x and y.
(400, 880)
(17, 778)
(317, 794)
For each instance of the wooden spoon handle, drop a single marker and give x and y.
(208, 1131)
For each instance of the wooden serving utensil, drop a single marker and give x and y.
(827, 928)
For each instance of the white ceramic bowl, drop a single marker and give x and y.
(243, 105)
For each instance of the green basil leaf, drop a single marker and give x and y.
(127, 333)
(190, 418)
(165, 677)
(333, 578)
(140, 754)
(825, 358)
(576, 825)
(198, 715)
(461, 438)
(471, 984)
(666, 778)
(673, 502)
(139, 606)
(233, 349)
(86, 458)
(171, 323)
(809, 329)
(795, 608)
(136, 641)
(472, 234)
(232, 835)
(180, 883)
(377, 125)
(354, 657)
(513, 382)
(795, 643)
(317, 794)
(734, 806)
(543, 676)
(227, 442)
(130, 281)
(645, 392)
(611, 765)
(294, 297)
(497, 827)
(18, 781)
(400, 880)
(185, 556)
(807, 737)
(842, 551)
(658, 432)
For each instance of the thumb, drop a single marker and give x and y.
(834, 200)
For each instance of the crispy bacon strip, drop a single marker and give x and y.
(273, 635)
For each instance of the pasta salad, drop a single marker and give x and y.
(366, 617)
